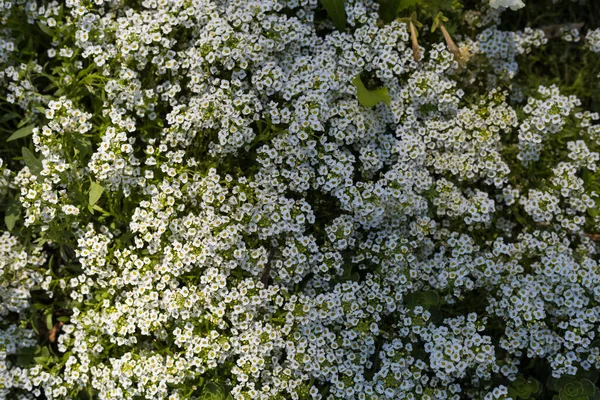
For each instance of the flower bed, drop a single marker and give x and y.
(293, 199)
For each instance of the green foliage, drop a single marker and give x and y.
(426, 299)
(573, 388)
(438, 20)
(369, 98)
(95, 193)
(389, 9)
(46, 29)
(567, 64)
(21, 133)
(524, 388)
(430, 8)
(213, 391)
(82, 145)
(12, 214)
(32, 162)
(426, 9)
(336, 11)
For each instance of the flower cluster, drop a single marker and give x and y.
(216, 210)
(592, 40)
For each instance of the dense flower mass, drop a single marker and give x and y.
(206, 207)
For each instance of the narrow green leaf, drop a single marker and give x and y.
(22, 123)
(31, 161)
(337, 12)
(49, 323)
(46, 29)
(438, 20)
(29, 47)
(21, 133)
(369, 98)
(95, 193)
(12, 214)
(8, 116)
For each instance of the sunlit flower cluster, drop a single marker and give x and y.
(236, 215)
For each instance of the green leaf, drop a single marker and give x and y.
(8, 116)
(591, 375)
(552, 384)
(588, 387)
(389, 9)
(49, 323)
(46, 29)
(31, 161)
(95, 193)
(44, 357)
(23, 122)
(40, 360)
(564, 380)
(438, 20)
(410, 300)
(212, 391)
(337, 12)
(404, 4)
(369, 98)
(533, 385)
(21, 133)
(25, 356)
(12, 214)
(83, 145)
(431, 298)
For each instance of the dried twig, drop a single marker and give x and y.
(594, 236)
(449, 42)
(54, 331)
(415, 43)
(458, 56)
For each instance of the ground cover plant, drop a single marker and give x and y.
(299, 199)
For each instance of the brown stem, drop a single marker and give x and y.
(54, 332)
(594, 236)
(449, 42)
(415, 43)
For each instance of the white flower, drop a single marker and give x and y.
(512, 4)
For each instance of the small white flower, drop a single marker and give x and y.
(512, 4)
